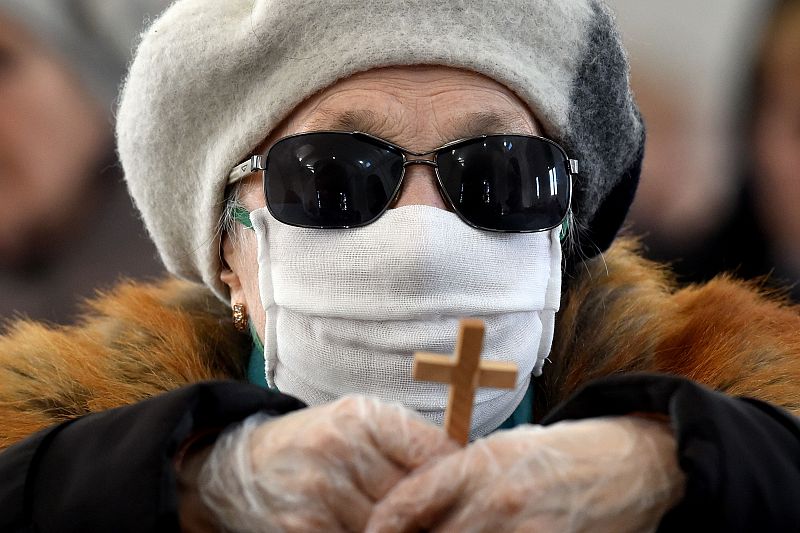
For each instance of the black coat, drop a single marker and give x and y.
(117, 395)
(112, 471)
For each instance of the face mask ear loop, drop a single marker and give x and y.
(242, 216)
(564, 229)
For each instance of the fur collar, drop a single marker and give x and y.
(620, 313)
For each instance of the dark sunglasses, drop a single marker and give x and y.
(334, 179)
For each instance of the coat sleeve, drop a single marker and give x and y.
(112, 471)
(741, 456)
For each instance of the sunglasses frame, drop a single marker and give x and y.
(257, 163)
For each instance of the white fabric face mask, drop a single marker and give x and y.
(346, 309)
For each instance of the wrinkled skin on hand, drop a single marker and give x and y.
(318, 469)
(600, 475)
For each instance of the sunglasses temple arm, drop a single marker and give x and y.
(245, 168)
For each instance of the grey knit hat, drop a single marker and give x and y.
(212, 78)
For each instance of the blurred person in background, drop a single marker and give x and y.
(67, 225)
(758, 236)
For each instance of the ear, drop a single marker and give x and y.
(230, 272)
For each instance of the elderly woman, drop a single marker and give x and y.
(352, 178)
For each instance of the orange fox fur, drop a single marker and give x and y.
(620, 313)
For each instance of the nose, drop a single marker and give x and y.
(420, 188)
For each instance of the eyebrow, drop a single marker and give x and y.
(362, 120)
(465, 126)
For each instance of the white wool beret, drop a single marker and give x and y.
(212, 78)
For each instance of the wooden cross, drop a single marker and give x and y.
(465, 372)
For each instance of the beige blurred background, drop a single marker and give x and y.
(718, 83)
(689, 63)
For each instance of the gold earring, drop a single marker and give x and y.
(240, 317)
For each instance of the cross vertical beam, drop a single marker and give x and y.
(465, 373)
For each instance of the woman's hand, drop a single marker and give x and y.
(318, 469)
(604, 474)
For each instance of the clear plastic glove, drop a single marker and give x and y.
(317, 469)
(605, 474)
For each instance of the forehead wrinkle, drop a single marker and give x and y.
(490, 122)
(471, 124)
(363, 120)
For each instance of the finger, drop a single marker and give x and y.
(344, 442)
(420, 501)
(406, 438)
(349, 505)
(311, 493)
(498, 507)
(374, 473)
(301, 523)
(512, 524)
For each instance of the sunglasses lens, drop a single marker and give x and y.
(330, 180)
(507, 182)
